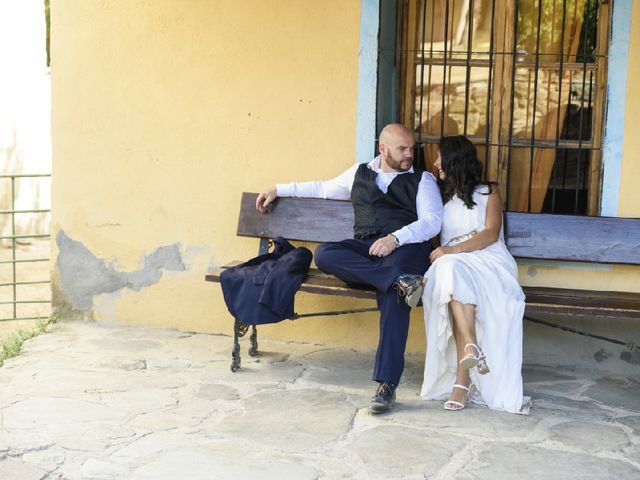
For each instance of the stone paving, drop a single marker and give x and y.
(97, 401)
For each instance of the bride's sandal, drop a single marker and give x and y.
(471, 360)
(454, 405)
(482, 366)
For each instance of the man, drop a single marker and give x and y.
(397, 209)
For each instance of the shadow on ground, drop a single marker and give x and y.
(96, 401)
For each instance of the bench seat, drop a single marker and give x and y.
(539, 299)
(563, 238)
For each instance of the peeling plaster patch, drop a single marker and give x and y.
(532, 271)
(83, 275)
(105, 306)
(190, 254)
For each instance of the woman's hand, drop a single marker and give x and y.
(439, 252)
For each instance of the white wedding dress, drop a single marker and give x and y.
(487, 278)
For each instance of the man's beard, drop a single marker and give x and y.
(396, 165)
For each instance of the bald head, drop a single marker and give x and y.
(396, 148)
(393, 131)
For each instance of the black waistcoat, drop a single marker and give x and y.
(377, 214)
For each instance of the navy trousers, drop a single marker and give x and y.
(350, 261)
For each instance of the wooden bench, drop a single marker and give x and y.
(528, 235)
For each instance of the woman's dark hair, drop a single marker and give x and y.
(463, 170)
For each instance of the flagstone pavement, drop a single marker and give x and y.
(103, 401)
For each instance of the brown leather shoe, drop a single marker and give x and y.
(410, 286)
(384, 398)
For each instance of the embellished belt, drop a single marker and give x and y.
(462, 238)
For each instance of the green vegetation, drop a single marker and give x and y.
(557, 19)
(47, 19)
(12, 345)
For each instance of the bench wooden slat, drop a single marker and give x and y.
(539, 299)
(528, 235)
(573, 238)
(315, 282)
(582, 310)
(303, 219)
(582, 302)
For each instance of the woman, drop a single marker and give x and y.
(473, 303)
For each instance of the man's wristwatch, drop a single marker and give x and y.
(395, 239)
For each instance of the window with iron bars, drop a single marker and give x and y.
(524, 80)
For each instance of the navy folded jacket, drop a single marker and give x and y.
(262, 290)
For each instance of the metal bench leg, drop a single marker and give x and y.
(253, 349)
(235, 353)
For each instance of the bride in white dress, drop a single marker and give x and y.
(473, 303)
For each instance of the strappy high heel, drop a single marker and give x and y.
(471, 360)
(454, 405)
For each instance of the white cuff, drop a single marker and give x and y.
(284, 189)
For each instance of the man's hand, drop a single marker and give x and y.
(383, 246)
(265, 198)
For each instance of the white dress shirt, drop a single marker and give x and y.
(428, 199)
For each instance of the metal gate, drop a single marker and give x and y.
(25, 284)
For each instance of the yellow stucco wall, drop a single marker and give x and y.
(629, 205)
(164, 111)
(163, 114)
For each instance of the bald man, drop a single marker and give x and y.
(397, 209)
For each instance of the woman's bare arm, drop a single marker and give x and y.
(488, 236)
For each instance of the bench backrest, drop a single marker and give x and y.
(528, 235)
